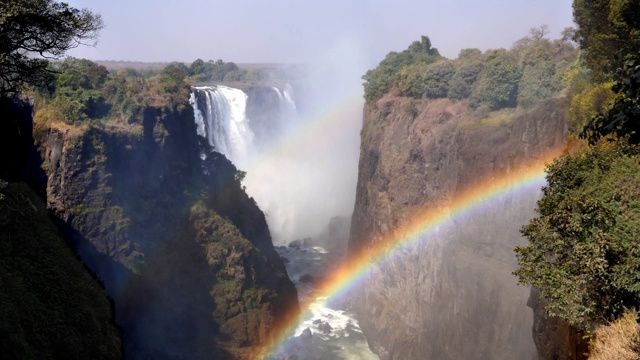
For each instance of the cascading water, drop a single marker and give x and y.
(256, 129)
(223, 122)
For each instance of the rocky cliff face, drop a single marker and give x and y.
(52, 308)
(184, 252)
(453, 297)
(554, 337)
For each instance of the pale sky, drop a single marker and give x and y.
(302, 31)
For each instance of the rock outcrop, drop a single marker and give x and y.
(184, 252)
(554, 337)
(453, 297)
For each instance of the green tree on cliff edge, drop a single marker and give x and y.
(583, 252)
(32, 31)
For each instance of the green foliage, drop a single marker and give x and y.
(498, 87)
(587, 104)
(379, 81)
(172, 78)
(83, 91)
(623, 118)
(42, 27)
(608, 31)
(583, 253)
(410, 81)
(534, 69)
(467, 72)
(539, 81)
(216, 71)
(437, 77)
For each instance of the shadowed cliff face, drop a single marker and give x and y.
(51, 306)
(184, 252)
(453, 297)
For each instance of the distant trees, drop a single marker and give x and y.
(498, 87)
(469, 68)
(380, 80)
(214, 71)
(39, 27)
(534, 69)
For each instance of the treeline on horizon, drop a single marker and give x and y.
(534, 68)
(79, 90)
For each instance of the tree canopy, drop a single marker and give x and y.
(623, 117)
(582, 253)
(32, 31)
(380, 80)
(607, 31)
(532, 70)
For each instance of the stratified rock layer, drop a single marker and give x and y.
(453, 297)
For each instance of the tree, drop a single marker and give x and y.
(32, 31)
(583, 252)
(607, 31)
(499, 86)
(437, 77)
(380, 80)
(466, 74)
(623, 118)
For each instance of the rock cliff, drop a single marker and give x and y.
(454, 297)
(51, 306)
(183, 251)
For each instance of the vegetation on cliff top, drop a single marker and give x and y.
(535, 68)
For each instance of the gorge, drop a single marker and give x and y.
(115, 192)
(215, 216)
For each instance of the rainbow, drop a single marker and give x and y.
(422, 227)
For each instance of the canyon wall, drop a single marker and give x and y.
(452, 297)
(183, 251)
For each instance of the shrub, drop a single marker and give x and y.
(583, 252)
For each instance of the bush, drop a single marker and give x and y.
(583, 251)
(436, 79)
(619, 340)
(499, 86)
(587, 104)
(379, 81)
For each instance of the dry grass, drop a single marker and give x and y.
(619, 340)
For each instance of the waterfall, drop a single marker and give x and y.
(220, 117)
(299, 169)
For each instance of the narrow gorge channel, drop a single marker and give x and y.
(254, 127)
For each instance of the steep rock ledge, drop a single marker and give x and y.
(184, 252)
(454, 297)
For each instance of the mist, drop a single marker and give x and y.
(308, 173)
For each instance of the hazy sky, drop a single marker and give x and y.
(260, 31)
